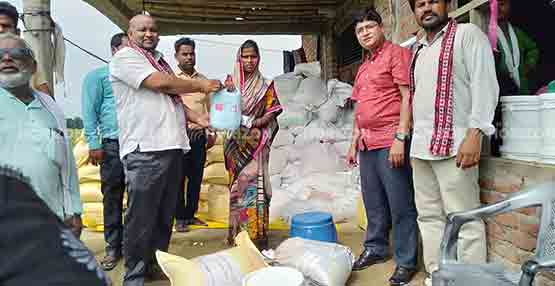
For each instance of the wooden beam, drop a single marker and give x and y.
(173, 28)
(464, 10)
(115, 10)
(261, 7)
(227, 13)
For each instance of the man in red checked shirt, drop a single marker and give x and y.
(381, 141)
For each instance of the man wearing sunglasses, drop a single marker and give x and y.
(8, 24)
(33, 134)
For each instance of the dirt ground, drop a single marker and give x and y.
(205, 241)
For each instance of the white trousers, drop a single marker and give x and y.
(441, 188)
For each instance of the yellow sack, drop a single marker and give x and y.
(81, 151)
(361, 214)
(215, 155)
(218, 204)
(226, 267)
(216, 174)
(90, 192)
(88, 174)
(93, 216)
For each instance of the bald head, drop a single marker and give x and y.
(143, 32)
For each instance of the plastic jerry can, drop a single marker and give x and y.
(225, 110)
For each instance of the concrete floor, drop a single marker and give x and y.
(205, 241)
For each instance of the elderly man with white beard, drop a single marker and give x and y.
(33, 134)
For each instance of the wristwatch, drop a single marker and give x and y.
(401, 136)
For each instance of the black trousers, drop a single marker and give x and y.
(36, 248)
(194, 171)
(153, 182)
(112, 186)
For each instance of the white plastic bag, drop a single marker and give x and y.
(327, 263)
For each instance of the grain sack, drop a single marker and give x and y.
(88, 174)
(312, 69)
(227, 267)
(362, 221)
(215, 155)
(278, 160)
(327, 263)
(216, 174)
(218, 204)
(81, 151)
(286, 86)
(283, 138)
(312, 92)
(293, 115)
(93, 215)
(90, 192)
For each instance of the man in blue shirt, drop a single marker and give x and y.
(33, 134)
(101, 134)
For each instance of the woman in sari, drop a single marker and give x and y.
(247, 151)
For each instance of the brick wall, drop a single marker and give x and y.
(512, 236)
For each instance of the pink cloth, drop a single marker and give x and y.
(377, 93)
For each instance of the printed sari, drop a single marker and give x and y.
(247, 153)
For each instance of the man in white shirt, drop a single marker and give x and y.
(455, 91)
(153, 139)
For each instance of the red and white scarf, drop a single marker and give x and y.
(442, 136)
(160, 65)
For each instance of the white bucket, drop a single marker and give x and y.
(274, 276)
(547, 117)
(522, 136)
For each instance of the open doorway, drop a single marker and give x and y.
(537, 19)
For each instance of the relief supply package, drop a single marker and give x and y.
(327, 263)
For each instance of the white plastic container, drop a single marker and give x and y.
(274, 276)
(547, 119)
(521, 133)
(225, 110)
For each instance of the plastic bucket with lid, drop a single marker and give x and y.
(547, 117)
(521, 133)
(314, 225)
(274, 276)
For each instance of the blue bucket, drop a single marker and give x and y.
(315, 226)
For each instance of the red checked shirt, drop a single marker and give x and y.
(377, 94)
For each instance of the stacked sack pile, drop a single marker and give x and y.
(307, 162)
(214, 195)
(89, 184)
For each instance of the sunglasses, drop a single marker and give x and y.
(17, 53)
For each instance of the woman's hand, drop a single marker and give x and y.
(229, 85)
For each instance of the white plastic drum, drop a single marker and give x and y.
(547, 123)
(521, 133)
(274, 276)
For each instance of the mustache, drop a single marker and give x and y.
(429, 14)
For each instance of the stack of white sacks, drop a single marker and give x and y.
(307, 162)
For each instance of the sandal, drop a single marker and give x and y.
(181, 227)
(109, 262)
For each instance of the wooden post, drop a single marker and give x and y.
(38, 31)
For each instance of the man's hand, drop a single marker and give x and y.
(204, 121)
(397, 154)
(210, 85)
(75, 224)
(96, 156)
(469, 152)
(352, 154)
